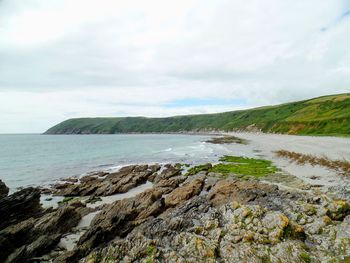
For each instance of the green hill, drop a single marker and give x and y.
(327, 115)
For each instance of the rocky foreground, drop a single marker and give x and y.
(203, 216)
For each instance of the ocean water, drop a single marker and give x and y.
(42, 159)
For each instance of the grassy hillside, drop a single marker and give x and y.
(328, 115)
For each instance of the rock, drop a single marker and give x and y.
(93, 199)
(121, 181)
(243, 192)
(36, 236)
(14, 237)
(154, 168)
(101, 174)
(296, 231)
(343, 229)
(185, 192)
(338, 209)
(4, 190)
(124, 171)
(168, 172)
(19, 206)
(210, 183)
(38, 247)
(119, 218)
(275, 220)
(71, 180)
(167, 185)
(59, 221)
(88, 178)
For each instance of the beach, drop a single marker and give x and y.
(241, 203)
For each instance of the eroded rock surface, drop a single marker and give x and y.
(19, 206)
(4, 190)
(121, 181)
(201, 218)
(35, 236)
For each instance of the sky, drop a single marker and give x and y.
(62, 59)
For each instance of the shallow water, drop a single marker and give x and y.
(112, 198)
(41, 159)
(69, 241)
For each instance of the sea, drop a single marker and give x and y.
(39, 160)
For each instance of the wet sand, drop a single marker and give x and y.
(264, 146)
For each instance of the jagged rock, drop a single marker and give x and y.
(167, 185)
(38, 247)
(121, 181)
(88, 178)
(118, 219)
(19, 206)
(36, 236)
(71, 179)
(241, 191)
(14, 237)
(185, 192)
(59, 221)
(178, 220)
(169, 171)
(4, 190)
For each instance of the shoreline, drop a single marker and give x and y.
(235, 208)
(249, 136)
(267, 209)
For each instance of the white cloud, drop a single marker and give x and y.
(62, 59)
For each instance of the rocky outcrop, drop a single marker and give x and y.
(19, 206)
(240, 191)
(122, 181)
(4, 190)
(206, 217)
(185, 192)
(196, 232)
(27, 230)
(237, 221)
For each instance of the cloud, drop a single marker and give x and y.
(62, 59)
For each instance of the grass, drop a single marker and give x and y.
(328, 115)
(246, 167)
(340, 166)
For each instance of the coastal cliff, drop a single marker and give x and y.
(328, 115)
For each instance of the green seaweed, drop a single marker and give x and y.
(199, 168)
(66, 200)
(244, 166)
(305, 257)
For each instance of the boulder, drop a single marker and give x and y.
(167, 185)
(4, 190)
(36, 236)
(240, 191)
(169, 171)
(59, 221)
(19, 206)
(118, 219)
(185, 192)
(121, 181)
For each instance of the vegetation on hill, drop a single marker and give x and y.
(327, 115)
